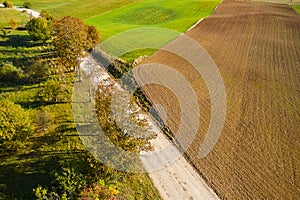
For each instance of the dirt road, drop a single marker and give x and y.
(175, 178)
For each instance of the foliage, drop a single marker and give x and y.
(10, 73)
(100, 191)
(13, 23)
(43, 119)
(54, 91)
(45, 14)
(69, 182)
(125, 132)
(15, 122)
(93, 37)
(37, 70)
(27, 4)
(71, 38)
(39, 28)
(8, 4)
(43, 194)
(44, 151)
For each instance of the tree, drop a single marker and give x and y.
(8, 4)
(45, 14)
(37, 69)
(93, 37)
(10, 73)
(27, 4)
(71, 38)
(121, 125)
(15, 122)
(39, 29)
(53, 92)
(13, 23)
(69, 41)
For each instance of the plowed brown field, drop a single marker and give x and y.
(256, 47)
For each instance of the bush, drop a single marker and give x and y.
(36, 70)
(13, 23)
(45, 14)
(10, 73)
(8, 4)
(27, 4)
(44, 118)
(53, 92)
(15, 122)
(39, 28)
(69, 182)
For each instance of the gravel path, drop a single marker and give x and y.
(170, 172)
(30, 12)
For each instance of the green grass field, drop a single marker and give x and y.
(81, 9)
(113, 17)
(176, 15)
(296, 8)
(8, 14)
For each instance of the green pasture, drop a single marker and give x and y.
(176, 15)
(296, 8)
(75, 8)
(7, 14)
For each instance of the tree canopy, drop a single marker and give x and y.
(15, 122)
(71, 38)
(39, 28)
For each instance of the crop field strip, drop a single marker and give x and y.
(256, 47)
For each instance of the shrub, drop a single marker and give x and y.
(13, 23)
(36, 70)
(10, 73)
(44, 118)
(39, 28)
(69, 182)
(15, 122)
(8, 4)
(45, 14)
(27, 4)
(53, 92)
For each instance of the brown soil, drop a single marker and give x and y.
(256, 47)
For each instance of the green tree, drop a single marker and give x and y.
(15, 122)
(45, 14)
(39, 29)
(10, 73)
(13, 23)
(53, 91)
(8, 4)
(37, 70)
(27, 4)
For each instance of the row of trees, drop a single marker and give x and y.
(69, 36)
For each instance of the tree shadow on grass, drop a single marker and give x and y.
(27, 171)
(17, 41)
(17, 180)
